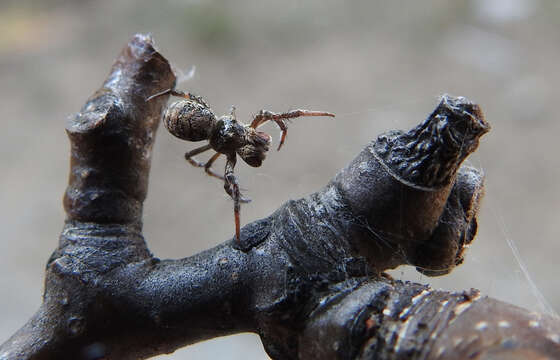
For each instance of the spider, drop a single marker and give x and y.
(193, 120)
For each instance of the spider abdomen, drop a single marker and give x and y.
(189, 120)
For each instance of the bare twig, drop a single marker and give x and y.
(308, 278)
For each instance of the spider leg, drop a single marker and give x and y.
(231, 183)
(190, 96)
(265, 115)
(207, 166)
(182, 94)
(161, 93)
(232, 188)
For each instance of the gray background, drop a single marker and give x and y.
(377, 64)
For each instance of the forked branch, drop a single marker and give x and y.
(308, 278)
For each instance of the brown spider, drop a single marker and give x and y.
(193, 120)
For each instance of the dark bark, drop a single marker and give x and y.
(308, 278)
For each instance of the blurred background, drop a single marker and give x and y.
(378, 65)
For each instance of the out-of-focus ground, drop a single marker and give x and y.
(378, 65)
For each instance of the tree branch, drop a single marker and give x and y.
(308, 278)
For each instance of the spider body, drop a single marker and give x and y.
(189, 120)
(228, 135)
(193, 120)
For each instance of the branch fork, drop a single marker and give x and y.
(308, 278)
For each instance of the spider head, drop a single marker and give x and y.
(255, 148)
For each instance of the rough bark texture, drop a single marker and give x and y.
(308, 278)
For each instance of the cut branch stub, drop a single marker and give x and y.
(399, 190)
(112, 136)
